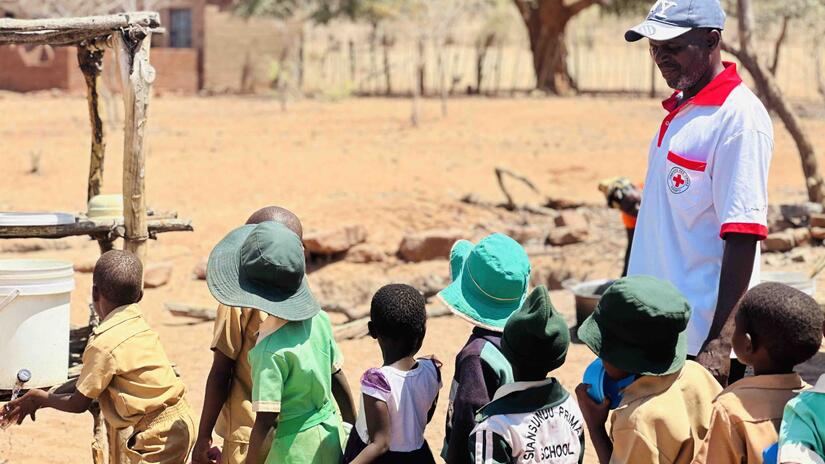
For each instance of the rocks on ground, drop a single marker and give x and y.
(331, 242)
(428, 245)
(157, 275)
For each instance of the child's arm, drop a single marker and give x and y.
(217, 391)
(265, 422)
(343, 396)
(28, 404)
(438, 365)
(595, 415)
(378, 426)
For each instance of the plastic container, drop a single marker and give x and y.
(105, 208)
(586, 297)
(34, 321)
(23, 219)
(798, 280)
(602, 386)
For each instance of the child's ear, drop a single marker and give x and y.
(371, 330)
(750, 343)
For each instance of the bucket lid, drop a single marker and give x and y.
(36, 276)
(105, 207)
(24, 219)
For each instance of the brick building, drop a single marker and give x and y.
(205, 47)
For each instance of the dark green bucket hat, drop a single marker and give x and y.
(536, 336)
(489, 280)
(639, 326)
(262, 267)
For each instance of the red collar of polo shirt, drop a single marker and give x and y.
(713, 94)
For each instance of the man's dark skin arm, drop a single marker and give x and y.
(217, 391)
(737, 267)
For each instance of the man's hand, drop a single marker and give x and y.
(201, 452)
(26, 405)
(715, 357)
(595, 414)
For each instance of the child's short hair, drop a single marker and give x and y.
(118, 276)
(783, 319)
(398, 311)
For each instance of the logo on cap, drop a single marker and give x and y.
(660, 8)
(678, 181)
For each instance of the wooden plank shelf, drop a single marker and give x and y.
(109, 231)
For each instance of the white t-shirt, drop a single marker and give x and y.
(409, 396)
(707, 176)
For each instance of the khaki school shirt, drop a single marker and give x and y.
(746, 418)
(236, 332)
(126, 369)
(663, 419)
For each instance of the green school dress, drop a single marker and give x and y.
(292, 376)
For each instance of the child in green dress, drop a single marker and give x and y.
(262, 266)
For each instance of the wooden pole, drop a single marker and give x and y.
(90, 59)
(136, 75)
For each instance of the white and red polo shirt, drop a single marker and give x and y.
(707, 176)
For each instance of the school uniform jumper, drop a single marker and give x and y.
(292, 375)
(480, 370)
(746, 418)
(663, 419)
(141, 398)
(236, 331)
(802, 435)
(529, 422)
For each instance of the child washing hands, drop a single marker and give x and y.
(399, 398)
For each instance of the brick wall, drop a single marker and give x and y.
(238, 53)
(46, 72)
(177, 71)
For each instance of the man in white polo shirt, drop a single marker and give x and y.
(705, 200)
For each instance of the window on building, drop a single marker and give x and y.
(180, 28)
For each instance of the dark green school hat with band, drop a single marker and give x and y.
(536, 336)
(639, 326)
(262, 267)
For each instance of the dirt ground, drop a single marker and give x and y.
(215, 160)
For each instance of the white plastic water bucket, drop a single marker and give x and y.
(34, 321)
(798, 280)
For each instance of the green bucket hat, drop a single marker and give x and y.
(639, 326)
(489, 280)
(536, 336)
(262, 267)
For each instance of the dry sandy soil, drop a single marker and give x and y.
(349, 162)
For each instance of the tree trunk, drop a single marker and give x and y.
(767, 87)
(546, 21)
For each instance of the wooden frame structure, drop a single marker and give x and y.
(129, 34)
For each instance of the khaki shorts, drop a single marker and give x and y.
(166, 439)
(234, 453)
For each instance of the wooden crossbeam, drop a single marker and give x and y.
(110, 230)
(65, 31)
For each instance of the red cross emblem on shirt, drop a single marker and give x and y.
(678, 180)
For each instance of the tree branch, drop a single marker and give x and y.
(523, 8)
(732, 50)
(580, 5)
(778, 45)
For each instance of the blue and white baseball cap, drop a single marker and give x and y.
(669, 19)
